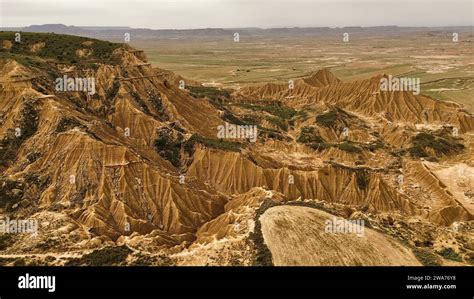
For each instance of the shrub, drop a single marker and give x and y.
(319, 146)
(112, 92)
(5, 241)
(270, 133)
(147, 260)
(231, 118)
(280, 123)
(362, 180)
(48, 244)
(168, 149)
(11, 192)
(375, 145)
(469, 257)
(426, 257)
(274, 108)
(140, 102)
(263, 254)
(308, 135)
(327, 119)
(440, 145)
(302, 114)
(62, 48)
(28, 125)
(212, 143)
(66, 124)
(349, 147)
(450, 254)
(107, 256)
(212, 93)
(19, 262)
(157, 103)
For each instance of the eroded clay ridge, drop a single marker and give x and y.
(139, 159)
(364, 97)
(83, 160)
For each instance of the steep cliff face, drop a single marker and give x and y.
(93, 155)
(137, 157)
(233, 174)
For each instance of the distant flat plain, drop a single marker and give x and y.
(445, 68)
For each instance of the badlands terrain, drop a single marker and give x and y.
(133, 172)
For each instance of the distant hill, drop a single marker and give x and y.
(57, 28)
(116, 33)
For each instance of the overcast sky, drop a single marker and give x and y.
(178, 14)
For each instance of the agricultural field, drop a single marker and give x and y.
(445, 68)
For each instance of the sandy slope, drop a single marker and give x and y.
(296, 236)
(459, 179)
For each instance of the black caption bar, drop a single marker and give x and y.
(236, 282)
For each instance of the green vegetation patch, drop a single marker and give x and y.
(363, 180)
(426, 257)
(5, 241)
(157, 102)
(112, 92)
(107, 256)
(308, 135)
(280, 123)
(327, 119)
(275, 108)
(67, 124)
(62, 48)
(271, 133)
(30, 61)
(332, 117)
(218, 98)
(10, 143)
(450, 254)
(469, 257)
(212, 93)
(147, 260)
(48, 244)
(263, 254)
(441, 145)
(349, 146)
(168, 147)
(212, 143)
(230, 117)
(378, 144)
(302, 114)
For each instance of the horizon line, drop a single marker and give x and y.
(86, 27)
